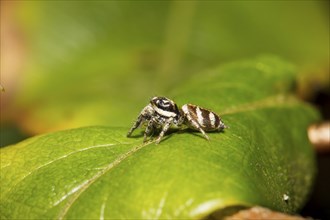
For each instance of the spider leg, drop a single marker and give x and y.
(136, 124)
(149, 130)
(194, 123)
(165, 128)
(144, 116)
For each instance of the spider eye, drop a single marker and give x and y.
(159, 101)
(163, 103)
(165, 106)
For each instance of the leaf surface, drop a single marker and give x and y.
(96, 172)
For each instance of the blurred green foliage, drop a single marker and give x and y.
(98, 62)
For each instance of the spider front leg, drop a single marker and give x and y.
(166, 126)
(136, 124)
(144, 116)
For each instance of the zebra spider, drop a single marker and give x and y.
(162, 113)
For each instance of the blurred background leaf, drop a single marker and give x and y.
(88, 63)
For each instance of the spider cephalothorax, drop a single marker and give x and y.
(162, 113)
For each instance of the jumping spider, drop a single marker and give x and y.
(162, 113)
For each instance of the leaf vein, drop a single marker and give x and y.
(56, 160)
(86, 184)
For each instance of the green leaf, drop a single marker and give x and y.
(96, 172)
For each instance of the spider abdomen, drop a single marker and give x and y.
(208, 120)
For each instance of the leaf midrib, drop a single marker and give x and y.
(272, 101)
(86, 184)
(55, 160)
